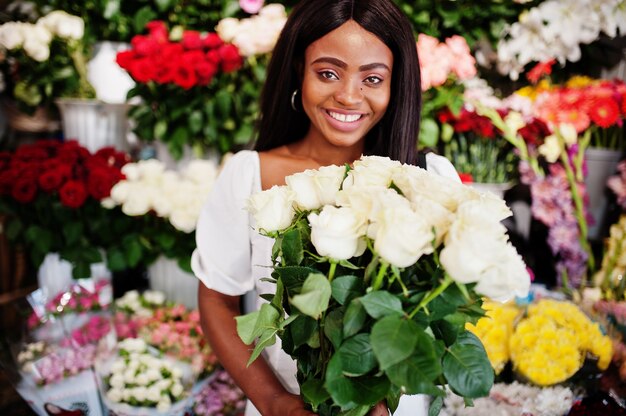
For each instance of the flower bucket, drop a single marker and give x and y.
(55, 274)
(94, 123)
(601, 163)
(179, 286)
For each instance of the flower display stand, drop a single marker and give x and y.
(178, 285)
(55, 274)
(601, 163)
(94, 123)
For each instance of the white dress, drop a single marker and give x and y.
(232, 258)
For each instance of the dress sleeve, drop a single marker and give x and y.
(221, 259)
(441, 166)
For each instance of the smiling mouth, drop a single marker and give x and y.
(345, 118)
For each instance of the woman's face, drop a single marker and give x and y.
(346, 84)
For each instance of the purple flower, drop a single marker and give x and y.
(251, 6)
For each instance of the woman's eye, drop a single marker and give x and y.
(373, 80)
(328, 75)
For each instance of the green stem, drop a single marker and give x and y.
(447, 281)
(378, 281)
(580, 213)
(331, 271)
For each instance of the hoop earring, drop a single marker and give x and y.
(293, 100)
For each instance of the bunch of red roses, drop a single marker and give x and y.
(66, 168)
(192, 61)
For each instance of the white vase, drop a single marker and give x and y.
(94, 123)
(178, 285)
(55, 274)
(601, 163)
(110, 81)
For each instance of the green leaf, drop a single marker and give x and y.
(346, 288)
(13, 229)
(81, 270)
(351, 392)
(357, 411)
(467, 368)
(195, 121)
(357, 357)
(292, 248)
(302, 328)
(40, 238)
(394, 339)
(435, 406)
(333, 327)
(116, 261)
(314, 296)
(163, 5)
(111, 8)
(429, 133)
(382, 303)
(268, 337)
(417, 373)
(293, 277)
(223, 100)
(143, 16)
(160, 128)
(354, 318)
(72, 232)
(133, 250)
(252, 325)
(314, 392)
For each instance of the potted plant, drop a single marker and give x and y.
(43, 61)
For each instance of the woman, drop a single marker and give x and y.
(343, 81)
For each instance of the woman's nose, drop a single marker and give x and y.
(349, 93)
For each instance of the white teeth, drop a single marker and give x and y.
(344, 118)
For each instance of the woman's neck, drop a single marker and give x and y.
(324, 153)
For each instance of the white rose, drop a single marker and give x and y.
(142, 379)
(177, 372)
(227, 28)
(164, 404)
(162, 204)
(163, 384)
(38, 33)
(177, 389)
(201, 171)
(117, 381)
(37, 50)
(507, 279)
(184, 220)
(131, 171)
(115, 395)
(154, 297)
(127, 394)
(435, 214)
(313, 189)
(272, 209)
(372, 171)
(368, 201)
(151, 170)
(108, 203)
(273, 11)
(153, 394)
(120, 191)
(129, 376)
(489, 208)
(71, 27)
(138, 202)
(140, 393)
(337, 232)
(413, 181)
(12, 35)
(402, 236)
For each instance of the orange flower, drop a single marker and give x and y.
(604, 112)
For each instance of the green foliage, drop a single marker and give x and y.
(355, 345)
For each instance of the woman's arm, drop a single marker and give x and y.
(258, 382)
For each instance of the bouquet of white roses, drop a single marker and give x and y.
(378, 267)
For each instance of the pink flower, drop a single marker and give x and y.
(251, 6)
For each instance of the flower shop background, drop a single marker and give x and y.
(526, 99)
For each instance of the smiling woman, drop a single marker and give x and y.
(343, 81)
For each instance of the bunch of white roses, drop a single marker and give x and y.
(139, 378)
(35, 38)
(142, 305)
(177, 196)
(254, 35)
(401, 212)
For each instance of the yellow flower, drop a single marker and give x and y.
(579, 81)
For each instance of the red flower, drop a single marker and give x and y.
(191, 40)
(542, 68)
(213, 56)
(5, 159)
(145, 45)
(24, 190)
(534, 132)
(51, 180)
(73, 194)
(30, 153)
(165, 73)
(125, 59)
(205, 70)
(185, 76)
(231, 60)
(99, 183)
(466, 177)
(143, 69)
(158, 30)
(604, 112)
(212, 41)
(7, 179)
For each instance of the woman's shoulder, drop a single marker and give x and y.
(244, 163)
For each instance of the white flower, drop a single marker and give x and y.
(227, 28)
(372, 171)
(514, 122)
(164, 404)
(129, 376)
(551, 148)
(153, 394)
(139, 393)
(177, 372)
(115, 395)
(272, 209)
(108, 203)
(184, 220)
(138, 202)
(117, 381)
(435, 215)
(177, 389)
(12, 35)
(337, 233)
(568, 133)
(313, 189)
(64, 24)
(273, 11)
(120, 191)
(367, 201)
(131, 171)
(151, 170)
(37, 50)
(201, 171)
(133, 345)
(142, 379)
(402, 237)
(154, 297)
